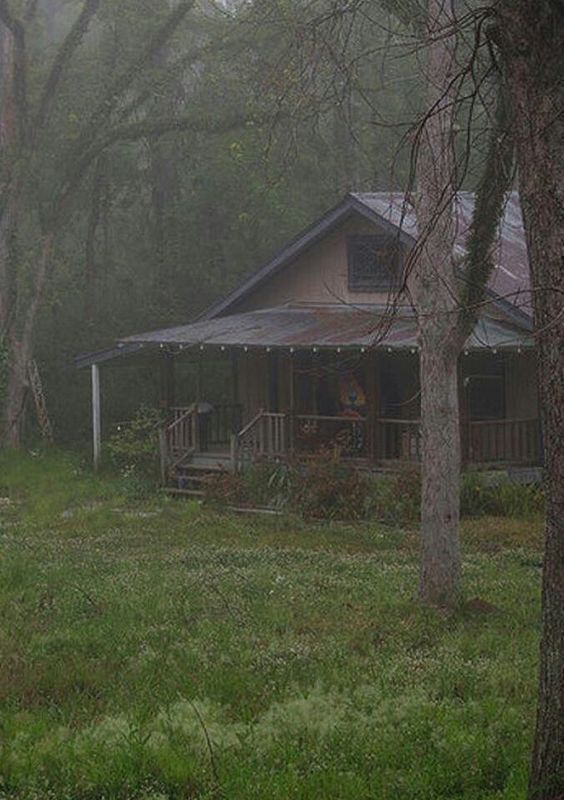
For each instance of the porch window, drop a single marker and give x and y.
(374, 262)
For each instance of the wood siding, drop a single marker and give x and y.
(318, 276)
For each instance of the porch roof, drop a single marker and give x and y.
(323, 326)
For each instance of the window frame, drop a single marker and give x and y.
(378, 282)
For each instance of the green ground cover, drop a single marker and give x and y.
(154, 649)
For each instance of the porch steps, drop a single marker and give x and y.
(188, 479)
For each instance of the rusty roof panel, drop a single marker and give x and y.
(511, 278)
(327, 326)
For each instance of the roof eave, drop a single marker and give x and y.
(307, 238)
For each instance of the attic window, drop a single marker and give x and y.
(374, 262)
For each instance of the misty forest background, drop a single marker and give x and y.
(303, 102)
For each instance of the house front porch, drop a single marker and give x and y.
(296, 382)
(213, 439)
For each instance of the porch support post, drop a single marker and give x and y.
(96, 417)
(371, 367)
(167, 380)
(291, 431)
(235, 375)
(464, 416)
(199, 378)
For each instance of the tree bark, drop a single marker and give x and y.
(90, 260)
(436, 305)
(20, 348)
(532, 42)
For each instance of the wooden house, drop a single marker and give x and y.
(324, 353)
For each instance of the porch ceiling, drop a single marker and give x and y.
(327, 326)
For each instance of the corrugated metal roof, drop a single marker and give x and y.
(511, 279)
(510, 283)
(323, 326)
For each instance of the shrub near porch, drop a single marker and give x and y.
(155, 649)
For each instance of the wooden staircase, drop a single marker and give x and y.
(188, 479)
(184, 469)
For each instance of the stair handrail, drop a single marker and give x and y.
(250, 425)
(166, 461)
(187, 413)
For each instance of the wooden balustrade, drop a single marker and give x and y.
(266, 435)
(182, 435)
(397, 440)
(275, 435)
(346, 436)
(510, 441)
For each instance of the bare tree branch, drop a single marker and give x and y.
(145, 130)
(126, 78)
(19, 76)
(66, 51)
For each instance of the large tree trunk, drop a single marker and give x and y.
(532, 41)
(436, 305)
(440, 501)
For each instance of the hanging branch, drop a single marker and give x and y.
(144, 130)
(123, 81)
(495, 182)
(66, 51)
(19, 77)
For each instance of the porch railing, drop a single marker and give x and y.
(509, 441)
(266, 435)
(512, 441)
(276, 435)
(346, 436)
(397, 440)
(181, 434)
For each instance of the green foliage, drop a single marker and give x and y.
(327, 489)
(499, 497)
(225, 489)
(396, 499)
(321, 489)
(134, 633)
(134, 447)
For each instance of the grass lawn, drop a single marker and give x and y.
(153, 649)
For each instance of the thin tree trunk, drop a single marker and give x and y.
(437, 307)
(90, 261)
(20, 350)
(532, 41)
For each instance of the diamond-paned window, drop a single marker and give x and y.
(374, 262)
